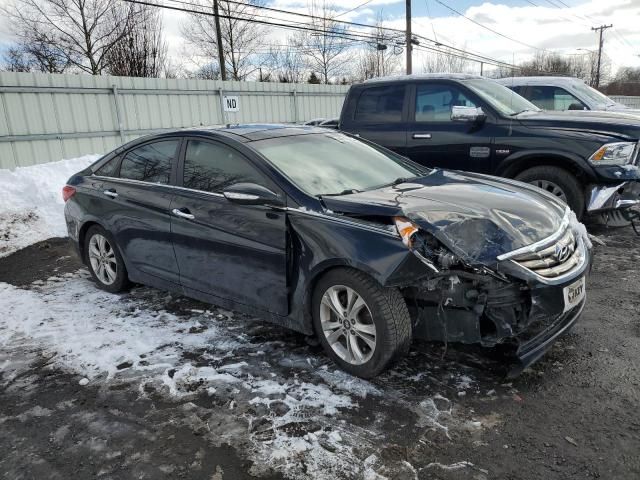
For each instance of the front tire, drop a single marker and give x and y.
(558, 182)
(363, 326)
(104, 260)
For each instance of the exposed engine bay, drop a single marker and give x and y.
(471, 305)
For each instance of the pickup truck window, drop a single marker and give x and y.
(380, 104)
(552, 98)
(434, 102)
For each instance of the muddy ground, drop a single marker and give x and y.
(281, 410)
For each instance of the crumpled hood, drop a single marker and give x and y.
(477, 216)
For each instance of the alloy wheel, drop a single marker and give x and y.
(103, 259)
(347, 324)
(552, 188)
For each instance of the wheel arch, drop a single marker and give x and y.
(516, 164)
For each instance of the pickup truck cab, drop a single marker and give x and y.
(564, 93)
(468, 122)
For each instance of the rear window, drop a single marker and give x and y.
(380, 104)
(109, 169)
(150, 162)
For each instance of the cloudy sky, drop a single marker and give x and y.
(523, 26)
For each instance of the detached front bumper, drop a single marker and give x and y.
(602, 198)
(535, 345)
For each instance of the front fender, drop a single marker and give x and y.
(321, 242)
(518, 161)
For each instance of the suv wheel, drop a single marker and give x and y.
(362, 326)
(558, 182)
(104, 260)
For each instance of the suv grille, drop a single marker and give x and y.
(553, 260)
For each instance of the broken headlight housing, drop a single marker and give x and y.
(425, 246)
(618, 153)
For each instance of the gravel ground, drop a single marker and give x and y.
(229, 397)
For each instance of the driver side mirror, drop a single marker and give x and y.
(467, 114)
(252, 194)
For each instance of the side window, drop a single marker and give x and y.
(109, 168)
(553, 98)
(434, 102)
(212, 167)
(517, 88)
(563, 100)
(381, 104)
(150, 162)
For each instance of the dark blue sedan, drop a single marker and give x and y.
(333, 236)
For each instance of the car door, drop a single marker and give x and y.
(133, 194)
(435, 140)
(378, 113)
(236, 252)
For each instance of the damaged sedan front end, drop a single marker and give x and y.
(501, 263)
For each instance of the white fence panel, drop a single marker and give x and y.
(47, 117)
(633, 102)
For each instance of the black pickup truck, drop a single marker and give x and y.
(467, 122)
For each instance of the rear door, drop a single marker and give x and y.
(435, 140)
(236, 252)
(133, 195)
(378, 113)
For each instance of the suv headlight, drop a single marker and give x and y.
(619, 153)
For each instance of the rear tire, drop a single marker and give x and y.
(104, 260)
(558, 182)
(363, 326)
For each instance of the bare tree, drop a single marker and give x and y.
(626, 82)
(287, 63)
(448, 62)
(142, 51)
(324, 49)
(83, 32)
(582, 66)
(36, 55)
(377, 59)
(15, 60)
(240, 39)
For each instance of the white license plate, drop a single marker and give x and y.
(574, 294)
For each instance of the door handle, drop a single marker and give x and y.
(182, 214)
(422, 135)
(110, 193)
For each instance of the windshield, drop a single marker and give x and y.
(334, 163)
(503, 99)
(592, 94)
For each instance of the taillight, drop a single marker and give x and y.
(67, 192)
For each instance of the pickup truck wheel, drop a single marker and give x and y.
(363, 326)
(558, 182)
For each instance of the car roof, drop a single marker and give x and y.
(245, 132)
(424, 76)
(539, 80)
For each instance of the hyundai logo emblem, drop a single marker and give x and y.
(561, 252)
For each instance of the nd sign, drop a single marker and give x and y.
(230, 103)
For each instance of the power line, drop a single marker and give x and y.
(360, 37)
(488, 28)
(354, 8)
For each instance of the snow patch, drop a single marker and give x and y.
(31, 200)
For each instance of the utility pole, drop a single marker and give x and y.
(223, 70)
(601, 28)
(408, 37)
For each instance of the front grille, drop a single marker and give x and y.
(553, 260)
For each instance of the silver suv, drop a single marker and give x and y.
(564, 93)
